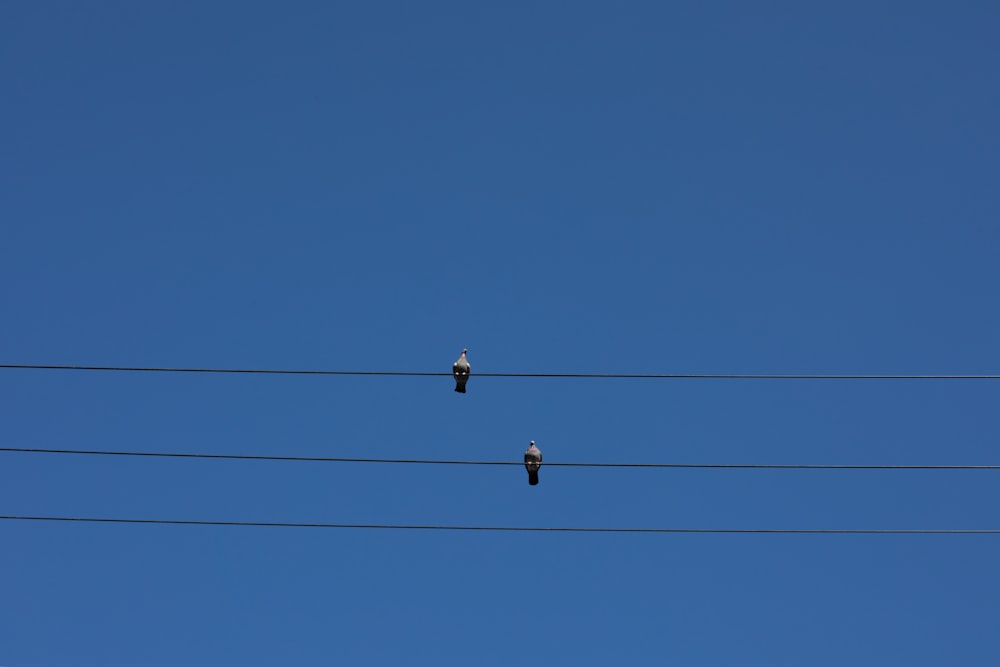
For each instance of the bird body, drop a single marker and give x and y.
(532, 462)
(460, 369)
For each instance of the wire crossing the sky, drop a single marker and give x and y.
(336, 459)
(514, 529)
(627, 376)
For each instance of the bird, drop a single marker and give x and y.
(460, 369)
(532, 462)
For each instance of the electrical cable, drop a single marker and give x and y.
(555, 464)
(520, 529)
(631, 376)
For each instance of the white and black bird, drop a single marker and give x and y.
(532, 462)
(460, 369)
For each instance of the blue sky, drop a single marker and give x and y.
(574, 187)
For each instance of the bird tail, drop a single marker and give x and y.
(460, 388)
(533, 477)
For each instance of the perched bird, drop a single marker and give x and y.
(532, 462)
(460, 369)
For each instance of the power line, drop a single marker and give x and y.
(516, 529)
(630, 376)
(335, 459)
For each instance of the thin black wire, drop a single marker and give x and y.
(516, 529)
(632, 376)
(336, 459)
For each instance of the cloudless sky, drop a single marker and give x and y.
(639, 187)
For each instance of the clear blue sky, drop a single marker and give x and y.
(653, 187)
